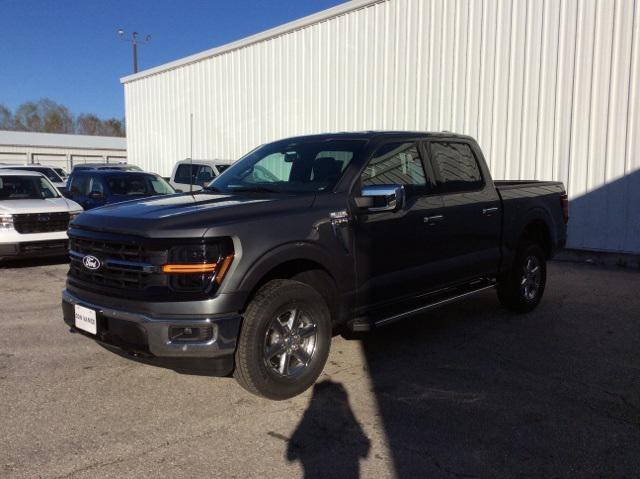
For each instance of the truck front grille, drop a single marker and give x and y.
(125, 269)
(40, 222)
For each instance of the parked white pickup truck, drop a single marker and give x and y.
(53, 176)
(34, 216)
(194, 174)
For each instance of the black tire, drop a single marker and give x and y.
(274, 302)
(516, 290)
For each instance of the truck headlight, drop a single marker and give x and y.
(6, 222)
(74, 214)
(198, 267)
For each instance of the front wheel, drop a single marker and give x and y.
(522, 288)
(284, 341)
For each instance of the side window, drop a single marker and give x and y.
(204, 174)
(95, 185)
(395, 164)
(183, 174)
(456, 166)
(79, 185)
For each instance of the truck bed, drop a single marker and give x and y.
(511, 184)
(524, 201)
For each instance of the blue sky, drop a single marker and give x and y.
(69, 51)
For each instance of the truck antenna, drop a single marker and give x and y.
(191, 154)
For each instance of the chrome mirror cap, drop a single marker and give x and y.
(389, 198)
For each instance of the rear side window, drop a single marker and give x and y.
(395, 164)
(456, 166)
(95, 185)
(199, 174)
(79, 185)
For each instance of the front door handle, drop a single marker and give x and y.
(431, 220)
(489, 211)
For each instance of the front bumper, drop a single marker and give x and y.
(17, 245)
(146, 338)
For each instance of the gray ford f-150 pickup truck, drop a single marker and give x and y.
(301, 238)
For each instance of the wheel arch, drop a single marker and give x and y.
(301, 261)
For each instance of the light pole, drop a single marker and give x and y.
(134, 40)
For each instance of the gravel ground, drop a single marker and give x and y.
(467, 391)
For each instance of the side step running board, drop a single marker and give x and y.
(361, 325)
(427, 307)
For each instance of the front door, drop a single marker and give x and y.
(397, 251)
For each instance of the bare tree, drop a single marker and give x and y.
(88, 124)
(56, 117)
(113, 127)
(46, 115)
(27, 117)
(6, 118)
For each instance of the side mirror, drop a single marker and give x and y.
(377, 198)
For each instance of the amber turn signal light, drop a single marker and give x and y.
(189, 268)
(224, 267)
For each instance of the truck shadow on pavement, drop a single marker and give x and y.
(471, 390)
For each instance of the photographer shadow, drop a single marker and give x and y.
(329, 441)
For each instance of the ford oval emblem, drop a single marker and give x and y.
(91, 262)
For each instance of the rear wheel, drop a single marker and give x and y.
(522, 288)
(284, 341)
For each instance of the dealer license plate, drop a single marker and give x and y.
(86, 319)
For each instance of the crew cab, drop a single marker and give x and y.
(33, 215)
(303, 237)
(93, 188)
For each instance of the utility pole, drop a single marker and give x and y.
(134, 40)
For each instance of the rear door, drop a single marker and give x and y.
(397, 252)
(472, 216)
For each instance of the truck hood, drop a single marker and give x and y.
(186, 215)
(50, 205)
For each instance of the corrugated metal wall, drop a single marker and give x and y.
(548, 87)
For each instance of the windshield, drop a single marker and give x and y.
(286, 167)
(48, 172)
(61, 173)
(138, 185)
(26, 188)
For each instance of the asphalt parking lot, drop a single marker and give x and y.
(468, 391)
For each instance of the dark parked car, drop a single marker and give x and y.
(93, 188)
(105, 166)
(303, 237)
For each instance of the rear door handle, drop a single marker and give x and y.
(489, 211)
(431, 220)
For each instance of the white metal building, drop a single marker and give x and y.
(550, 88)
(60, 149)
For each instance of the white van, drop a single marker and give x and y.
(196, 172)
(34, 216)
